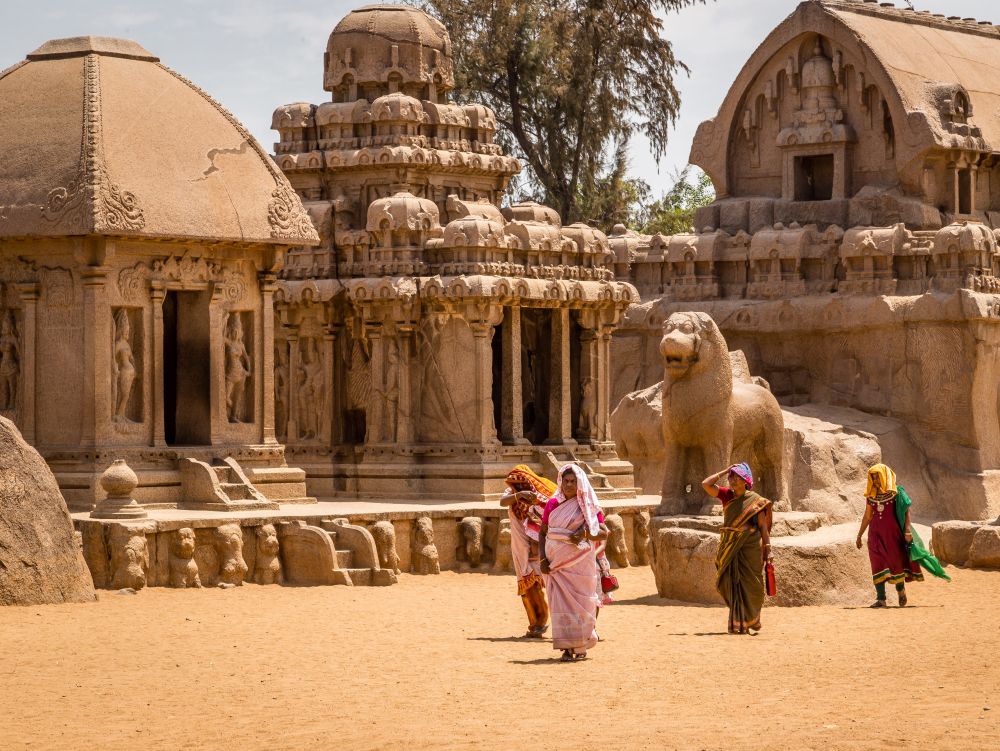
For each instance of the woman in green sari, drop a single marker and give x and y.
(744, 546)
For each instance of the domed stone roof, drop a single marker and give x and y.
(375, 42)
(97, 137)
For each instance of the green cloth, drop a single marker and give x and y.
(918, 552)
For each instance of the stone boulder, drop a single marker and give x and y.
(952, 541)
(40, 559)
(820, 567)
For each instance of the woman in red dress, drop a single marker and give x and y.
(888, 543)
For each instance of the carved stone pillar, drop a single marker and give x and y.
(560, 401)
(292, 429)
(97, 357)
(512, 399)
(266, 360)
(217, 367)
(405, 432)
(158, 294)
(338, 377)
(483, 354)
(328, 389)
(604, 384)
(590, 385)
(375, 418)
(26, 388)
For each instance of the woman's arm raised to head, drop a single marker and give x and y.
(709, 483)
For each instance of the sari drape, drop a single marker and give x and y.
(739, 566)
(572, 581)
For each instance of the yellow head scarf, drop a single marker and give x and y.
(886, 477)
(522, 474)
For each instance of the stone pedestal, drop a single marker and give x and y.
(118, 482)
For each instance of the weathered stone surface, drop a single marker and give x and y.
(308, 555)
(40, 561)
(822, 567)
(786, 523)
(952, 541)
(985, 549)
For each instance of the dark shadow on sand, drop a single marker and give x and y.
(657, 601)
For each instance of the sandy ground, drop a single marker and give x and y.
(433, 663)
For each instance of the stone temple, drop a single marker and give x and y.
(432, 339)
(852, 252)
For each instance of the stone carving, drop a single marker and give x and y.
(123, 366)
(471, 531)
(183, 567)
(710, 422)
(237, 368)
(281, 389)
(425, 558)
(588, 408)
(229, 545)
(129, 557)
(10, 361)
(390, 392)
(503, 560)
(617, 548)
(385, 542)
(119, 482)
(310, 390)
(286, 216)
(640, 537)
(267, 564)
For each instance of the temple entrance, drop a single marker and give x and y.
(187, 406)
(536, 338)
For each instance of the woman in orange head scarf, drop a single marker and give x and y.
(525, 500)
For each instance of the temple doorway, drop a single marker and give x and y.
(187, 406)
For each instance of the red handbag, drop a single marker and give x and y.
(770, 583)
(609, 583)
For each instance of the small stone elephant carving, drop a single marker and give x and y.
(617, 549)
(129, 558)
(183, 567)
(425, 560)
(385, 543)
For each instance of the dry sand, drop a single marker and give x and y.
(431, 663)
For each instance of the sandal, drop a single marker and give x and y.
(567, 656)
(580, 655)
(755, 628)
(878, 604)
(902, 599)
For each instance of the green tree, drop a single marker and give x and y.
(570, 81)
(673, 213)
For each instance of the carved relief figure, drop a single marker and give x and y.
(237, 367)
(267, 564)
(436, 410)
(123, 366)
(183, 567)
(310, 390)
(617, 548)
(391, 391)
(425, 560)
(229, 543)
(129, 558)
(588, 408)
(10, 362)
(359, 387)
(281, 389)
(385, 543)
(640, 537)
(471, 529)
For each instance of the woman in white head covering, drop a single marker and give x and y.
(569, 526)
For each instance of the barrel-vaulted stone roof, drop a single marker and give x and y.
(98, 137)
(922, 62)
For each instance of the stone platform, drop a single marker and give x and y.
(815, 564)
(327, 542)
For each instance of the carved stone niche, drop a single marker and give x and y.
(127, 366)
(238, 344)
(10, 361)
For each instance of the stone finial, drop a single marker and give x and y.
(119, 481)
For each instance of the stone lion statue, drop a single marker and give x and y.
(425, 560)
(229, 543)
(267, 564)
(183, 567)
(711, 421)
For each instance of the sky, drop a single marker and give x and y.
(254, 55)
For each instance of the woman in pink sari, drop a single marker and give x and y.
(569, 563)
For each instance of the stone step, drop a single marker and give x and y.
(224, 473)
(345, 559)
(236, 491)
